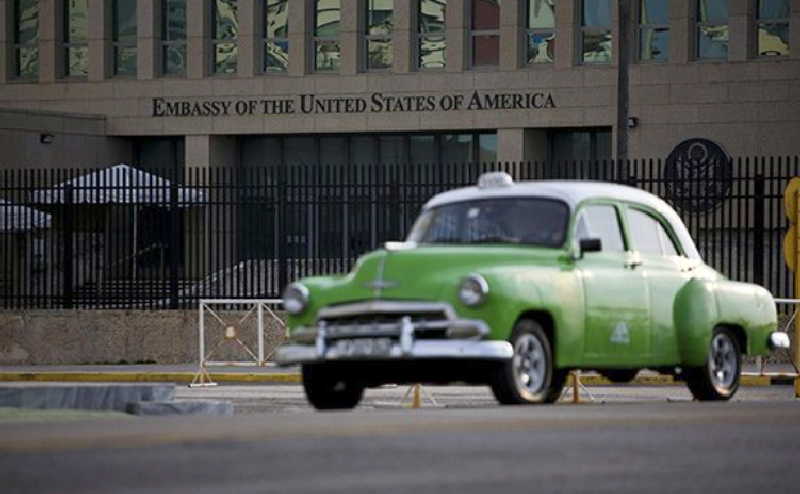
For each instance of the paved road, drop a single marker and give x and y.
(636, 442)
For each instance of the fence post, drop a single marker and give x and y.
(758, 232)
(174, 239)
(282, 219)
(67, 253)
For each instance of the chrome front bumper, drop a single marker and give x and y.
(401, 338)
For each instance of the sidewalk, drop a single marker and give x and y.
(774, 374)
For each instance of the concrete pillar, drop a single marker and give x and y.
(301, 28)
(51, 57)
(212, 233)
(198, 46)
(741, 36)
(511, 144)
(681, 36)
(6, 41)
(404, 35)
(349, 37)
(794, 31)
(457, 42)
(250, 26)
(148, 32)
(567, 21)
(100, 49)
(512, 18)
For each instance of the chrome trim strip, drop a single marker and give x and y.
(421, 349)
(384, 307)
(458, 328)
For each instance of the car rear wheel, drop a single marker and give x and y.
(718, 380)
(529, 376)
(619, 376)
(326, 391)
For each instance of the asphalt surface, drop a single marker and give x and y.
(629, 440)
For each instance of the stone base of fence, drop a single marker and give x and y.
(80, 337)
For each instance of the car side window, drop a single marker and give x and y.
(601, 221)
(649, 235)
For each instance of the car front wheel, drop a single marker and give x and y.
(718, 380)
(529, 376)
(326, 391)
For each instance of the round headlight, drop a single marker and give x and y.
(295, 298)
(473, 290)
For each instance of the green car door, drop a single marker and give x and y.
(617, 317)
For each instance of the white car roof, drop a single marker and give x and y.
(573, 193)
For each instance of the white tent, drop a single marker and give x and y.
(119, 184)
(15, 218)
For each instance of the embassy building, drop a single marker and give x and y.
(246, 83)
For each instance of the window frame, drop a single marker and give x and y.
(215, 41)
(317, 39)
(665, 228)
(584, 29)
(422, 36)
(17, 46)
(167, 43)
(117, 45)
(538, 30)
(266, 39)
(366, 38)
(758, 22)
(580, 211)
(642, 27)
(68, 44)
(698, 25)
(476, 33)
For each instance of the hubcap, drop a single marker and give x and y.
(530, 363)
(723, 364)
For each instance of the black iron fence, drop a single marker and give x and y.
(165, 238)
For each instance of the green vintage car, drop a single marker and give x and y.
(515, 284)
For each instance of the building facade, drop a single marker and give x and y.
(255, 82)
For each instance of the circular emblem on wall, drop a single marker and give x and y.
(698, 175)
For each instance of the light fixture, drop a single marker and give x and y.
(633, 122)
(46, 138)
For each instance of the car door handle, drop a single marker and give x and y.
(633, 263)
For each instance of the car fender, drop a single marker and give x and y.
(701, 305)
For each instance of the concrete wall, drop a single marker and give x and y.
(77, 140)
(43, 337)
(747, 104)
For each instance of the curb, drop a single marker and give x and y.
(294, 377)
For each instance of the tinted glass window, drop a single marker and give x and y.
(645, 232)
(601, 222)
(506, 220)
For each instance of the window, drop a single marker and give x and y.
(601, 221)
(76, 36)
(225, 36)
(773, 27)
(541, 35)
(26, 39)
(173, 37)
(432, 39)
(327, 50)
(649, 235)
(378, 34)
(123, 35)
(276, 36)
(485, 33)
(596, 23)
(654, 30)
(712, 29)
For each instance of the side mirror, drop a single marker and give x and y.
(590, 245)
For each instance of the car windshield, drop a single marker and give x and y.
(511, 220)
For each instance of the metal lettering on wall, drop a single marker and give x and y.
(374, 103)
(698, 175)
